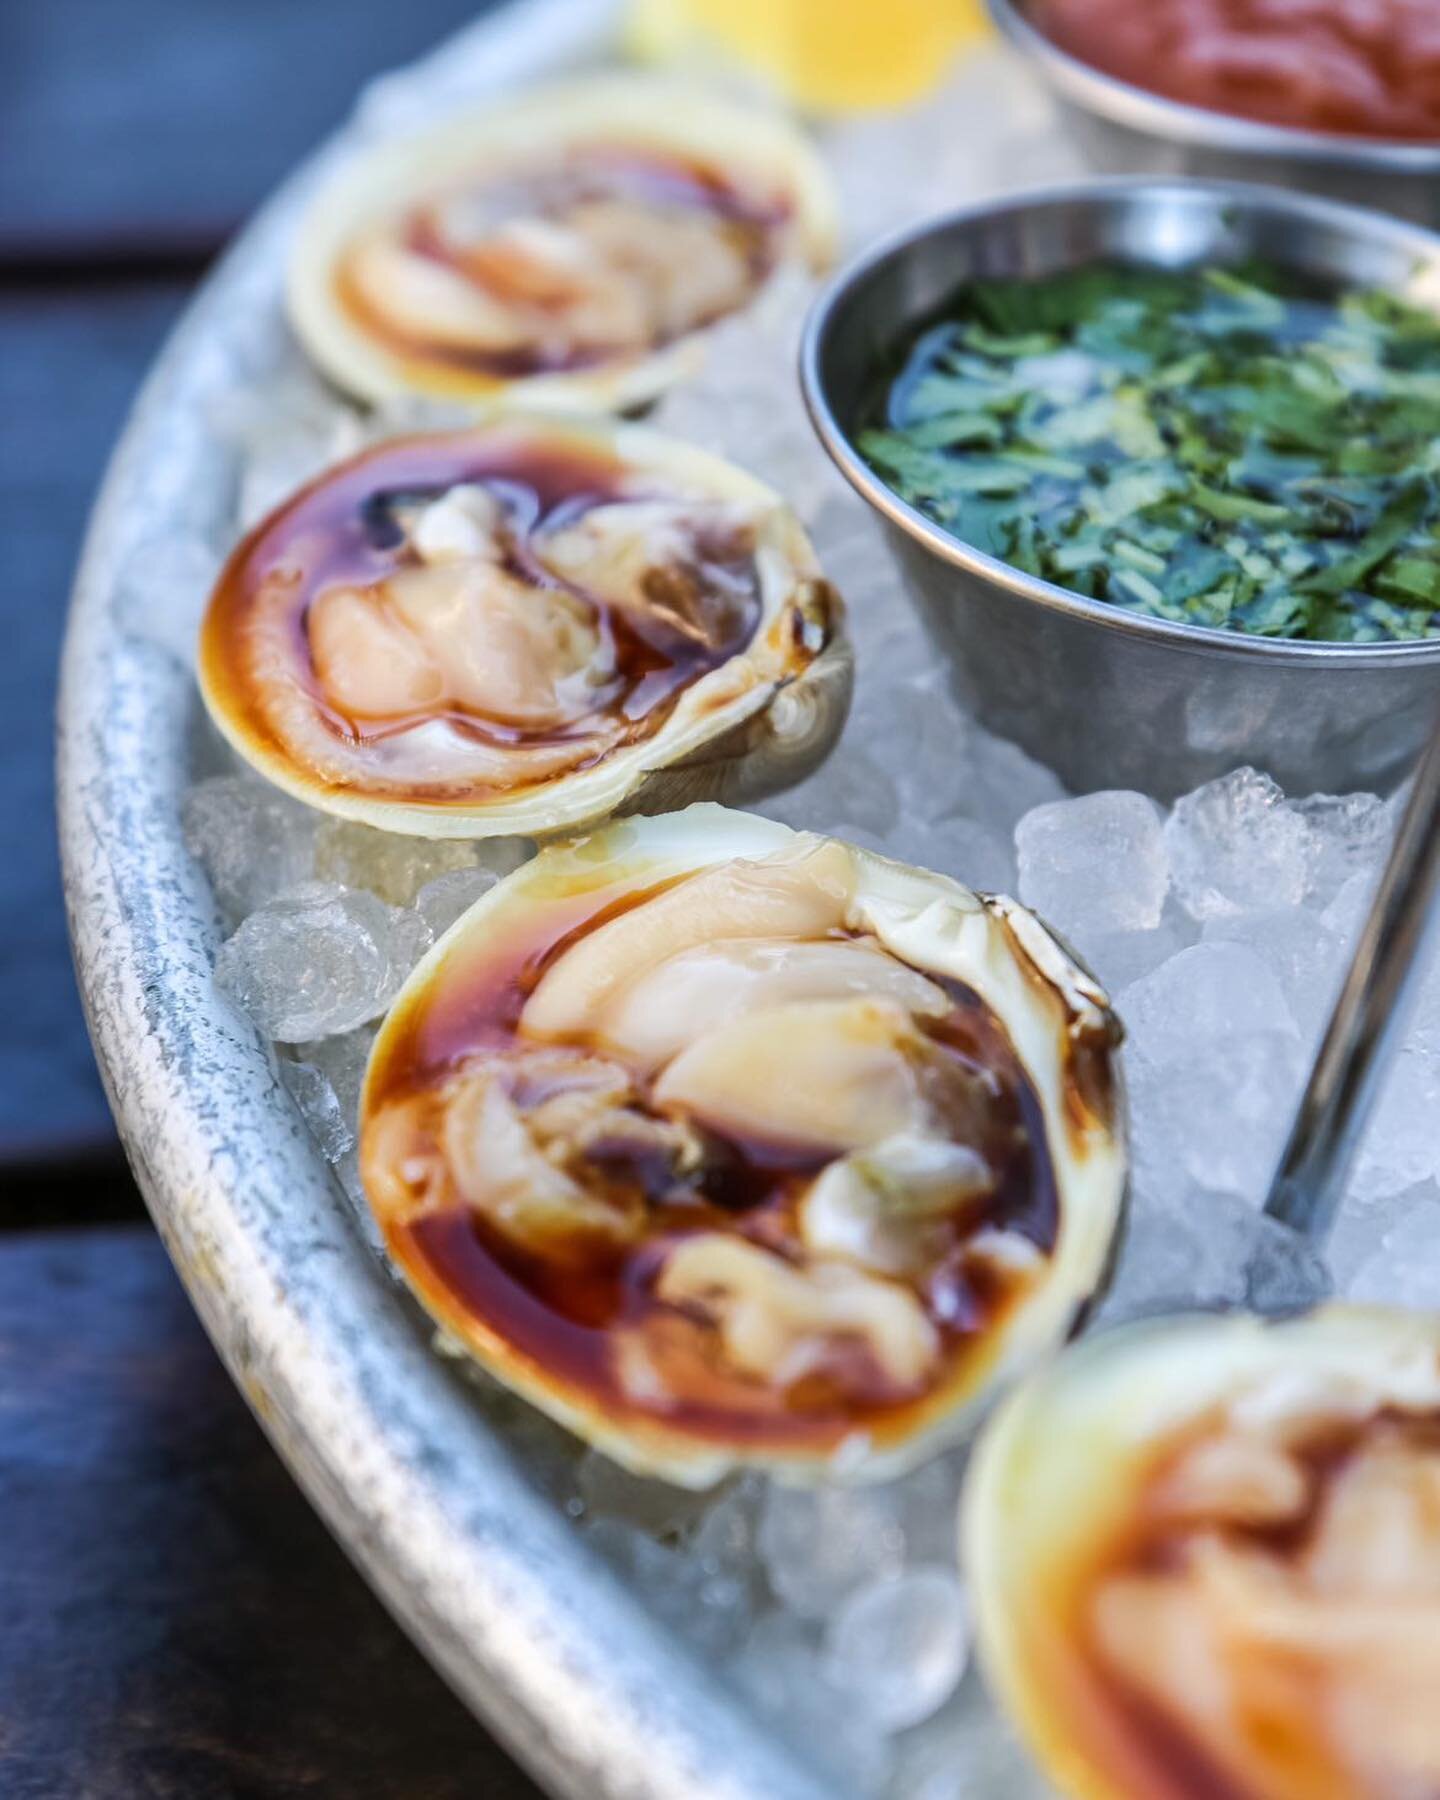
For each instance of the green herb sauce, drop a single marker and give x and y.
(1219, 447)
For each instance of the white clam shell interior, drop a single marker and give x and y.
(1061, 1466)
(934, 924)
(707, 725)
(758, 147)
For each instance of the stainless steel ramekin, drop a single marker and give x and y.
(1125, 130)
(1109, 698)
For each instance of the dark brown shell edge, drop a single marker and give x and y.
(772, 749)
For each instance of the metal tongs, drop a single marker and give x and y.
(1057, 1458)
(1364, 1030)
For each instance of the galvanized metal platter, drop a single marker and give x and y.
(492, 1582)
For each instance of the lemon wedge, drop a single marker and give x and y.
(821, 55)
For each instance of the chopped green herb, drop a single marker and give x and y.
(1223, 446)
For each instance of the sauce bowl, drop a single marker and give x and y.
(1107, 697)
(1124, 130)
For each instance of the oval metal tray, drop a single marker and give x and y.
(491, 1581)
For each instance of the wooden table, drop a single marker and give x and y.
(174, 1621)
(177, 1622)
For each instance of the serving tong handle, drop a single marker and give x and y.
(1369, 1016)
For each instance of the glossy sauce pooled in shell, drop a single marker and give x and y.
(605, 252)
(802, 1184)
(470, 618)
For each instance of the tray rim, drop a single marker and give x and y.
(594, 1696)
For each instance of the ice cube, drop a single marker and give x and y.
(320, 1107)
(820, 1545)
(391, 865)
(779, 1670)
(1403, 1267)
(723, 1548)
(1161, 1267)
(966, 1752)
(502, 856)
(1401, 1145)
(608, 1491)
(342, 1059)
(929, 749)
(1351, 835)
(1364, 1222)
(1207, 996)
(1214, 1065)
(318, 961)
(850, 797)
(1305, 955)
(976, 854)
(1187, 1248)
(284, 432)
(925, 1503)
(1345, 915)
(1235, 846)
(712, 1609)
(1219, 1116)
(449, 897)
(1119, 958)
(255, 842)
(1094, 866)
(725, 1536)
(1004, 782)
(899, 1645)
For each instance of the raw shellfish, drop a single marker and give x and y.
(569, 248)
(727, 1144)
(1205, 1557)
(525, 627)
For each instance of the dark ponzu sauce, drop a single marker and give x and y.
(560, 1312)
(346, 530)
(636, 176)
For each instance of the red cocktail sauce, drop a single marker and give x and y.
(1362, 68)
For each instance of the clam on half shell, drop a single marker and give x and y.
(730, 1145)
(568, 248)
(1205, 1559)
(526, 627)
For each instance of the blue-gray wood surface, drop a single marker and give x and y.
(177, 1625)
(135, 135)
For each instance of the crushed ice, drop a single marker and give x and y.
(1222, 928)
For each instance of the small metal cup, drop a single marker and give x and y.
(1107, 697)
(1125, 130)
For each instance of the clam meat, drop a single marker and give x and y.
(571, 246)
(525, 627)
(727, 1144)
(1205, 1556)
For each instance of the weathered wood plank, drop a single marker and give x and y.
(177, 1625)
(164, 122)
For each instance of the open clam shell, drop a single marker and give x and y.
(526, 627)
(568, 248)
(730, 1145)
(1204, 1556)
